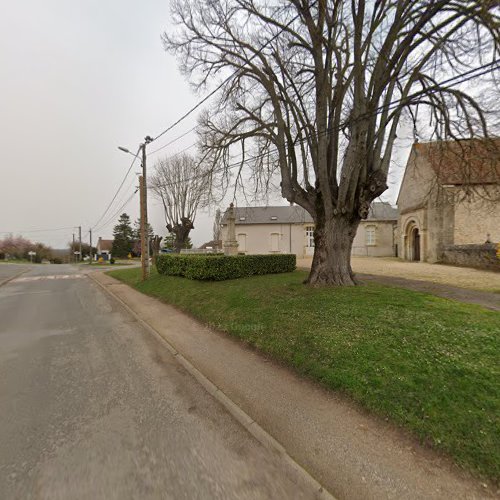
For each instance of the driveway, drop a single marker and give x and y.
(464, 277)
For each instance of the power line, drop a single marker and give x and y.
(172, 141)
(39, 230)
(117, 191)
(473, 73)
(455, 80)
(112, 218)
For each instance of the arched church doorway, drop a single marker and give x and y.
(415, 244)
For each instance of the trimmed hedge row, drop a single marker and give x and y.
(224, 267)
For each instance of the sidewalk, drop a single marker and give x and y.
(352, 454)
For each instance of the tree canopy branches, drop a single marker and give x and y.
(318, 89)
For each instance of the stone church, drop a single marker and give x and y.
(449, 198)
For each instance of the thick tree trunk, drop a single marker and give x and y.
(332, 252)
(181, 232)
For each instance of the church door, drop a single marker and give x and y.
(416, 245)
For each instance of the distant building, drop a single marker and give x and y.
(443, 199)
(290, 229)
(376, 235)
(103, 249)
(212, 245)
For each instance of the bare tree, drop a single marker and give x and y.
(180, 183)
(316, 90)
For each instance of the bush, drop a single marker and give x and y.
(56, 260)
(223, 267)
(112, 260)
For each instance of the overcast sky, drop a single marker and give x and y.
(80, 78)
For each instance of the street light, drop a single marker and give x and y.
(125, 150)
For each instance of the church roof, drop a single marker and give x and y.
(467, 161)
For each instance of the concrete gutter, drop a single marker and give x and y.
(338, 446)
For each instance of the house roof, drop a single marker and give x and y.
(212, 244)
(270, 215)
(297, 215)
(105, 244)
(467, 161)
(381, 210)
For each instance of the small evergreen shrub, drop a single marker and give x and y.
(224, 267)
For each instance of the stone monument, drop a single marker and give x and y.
(231, 245)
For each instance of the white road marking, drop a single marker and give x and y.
(49, 277)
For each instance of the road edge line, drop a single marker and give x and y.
(259, 433)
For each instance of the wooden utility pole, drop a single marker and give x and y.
(91, 255)
(144, 213)
(80, 243)
(143, 229)
(72, 249)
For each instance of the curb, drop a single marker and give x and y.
(4, 282)
(261, 435)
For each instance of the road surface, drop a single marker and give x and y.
(93, 406)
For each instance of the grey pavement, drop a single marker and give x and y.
(353, 454)
(9, 271)
(94, 406)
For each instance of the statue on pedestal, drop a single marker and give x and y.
(231, 245)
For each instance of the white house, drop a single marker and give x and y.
(290, 229)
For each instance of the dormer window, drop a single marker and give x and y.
(274, 217)
(243, 218)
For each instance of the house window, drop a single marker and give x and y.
(310, 236)
(275, 242)
(242, 242)
(370, 236)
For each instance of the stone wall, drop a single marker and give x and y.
(477, 256)
(477, 219)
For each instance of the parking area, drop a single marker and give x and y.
(435, 273)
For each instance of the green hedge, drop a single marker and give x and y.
(223, 267)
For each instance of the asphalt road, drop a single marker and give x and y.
(93, 406)
(8, 271)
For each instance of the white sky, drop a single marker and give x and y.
(79, 78)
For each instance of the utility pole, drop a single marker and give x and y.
(144, 213)
(143, 189)
(72, 249)
(80, 240)
(91, 256)
(143, 229)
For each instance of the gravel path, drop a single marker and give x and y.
(486, 299)
(463, 277)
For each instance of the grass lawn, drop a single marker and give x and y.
(430, 364)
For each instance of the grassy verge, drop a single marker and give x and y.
(429, 364)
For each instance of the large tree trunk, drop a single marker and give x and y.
(181, 232)
(332, 252)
